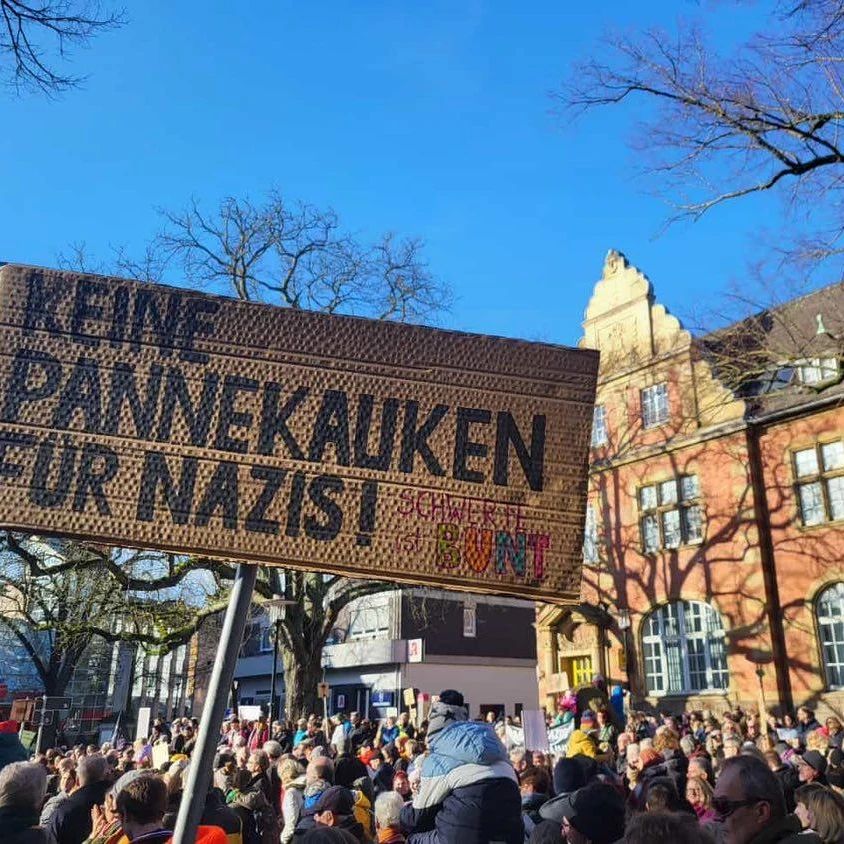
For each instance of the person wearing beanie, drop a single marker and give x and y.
(469, 791)
(335, 808)
(11, 749)
(811, 767)
(568, 776)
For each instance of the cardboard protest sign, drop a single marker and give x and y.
(147, 416)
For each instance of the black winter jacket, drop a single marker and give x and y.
(71, 822)
(488, 811)
(11, 749)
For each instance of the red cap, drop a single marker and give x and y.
(8, 726)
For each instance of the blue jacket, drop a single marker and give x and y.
(469, 791)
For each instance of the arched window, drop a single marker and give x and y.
(830, 609)
(684, 650)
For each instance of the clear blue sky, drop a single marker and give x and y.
(430, 119)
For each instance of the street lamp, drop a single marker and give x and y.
(275, 611)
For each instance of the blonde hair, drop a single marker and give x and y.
(705, 788)
(288, 770)
(826, 809)
(816, 740)
(666, 739)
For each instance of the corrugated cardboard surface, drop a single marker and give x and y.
(95, 373)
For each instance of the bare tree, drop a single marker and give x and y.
(719, 128)
(294, 255)
(297, 256)
(57, 596)
(31, 33)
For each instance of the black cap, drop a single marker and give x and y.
(451, 697)
(596, 811)
(568, 776)
(337, 800)
(814, 760)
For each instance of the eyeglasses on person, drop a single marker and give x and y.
(724, 807)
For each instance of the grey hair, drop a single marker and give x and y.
(388, 809)
(758, 782)
(92, 769)
(23, 785)
(272, 749)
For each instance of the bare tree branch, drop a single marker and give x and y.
(30, 32)
(717, 129)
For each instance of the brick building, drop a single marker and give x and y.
(714, 550)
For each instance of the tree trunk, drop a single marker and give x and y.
(301, 677)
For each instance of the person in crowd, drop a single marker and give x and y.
(535, 788)
(359, 732)
(607, 732)
(732, 746)
(347, 769)
(253, 803)
(661, 795)
(174, 779)
(292, 804)
(699, 794)
(11, 749)
(106, 827)
(749, 801)
(71, 821)
(821, 811)
(700, 767)
(217, 814)
(387, 812)
(388, 732)
(623, 741)
(405, 726)
(665, 828)
(519, 760)
(335, 808)
(273, 750)
(469, 791)
(22, 789)
(141, 806)
(811, 767)
(301, 732)
(593, 814)
(340, 735)
(401, 785)
(66, 770)
(834, 731)
(806, 723)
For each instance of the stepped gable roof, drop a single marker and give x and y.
(758, 357)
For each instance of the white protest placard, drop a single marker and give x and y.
(536, 733)
(160, 754)
(142, 730)
(249, 712)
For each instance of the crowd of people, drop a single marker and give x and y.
(700, 777)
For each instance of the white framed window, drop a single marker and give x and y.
(590, 536)
(369, 621)
(830, 614)
(819, 473)
(813, 371)
(671, 514)
(470, 621)
(655, 405)
(599, 426)
(683, 644)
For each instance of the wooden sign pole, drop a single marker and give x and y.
(202, 759)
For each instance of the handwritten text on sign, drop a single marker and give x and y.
(150, 416)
